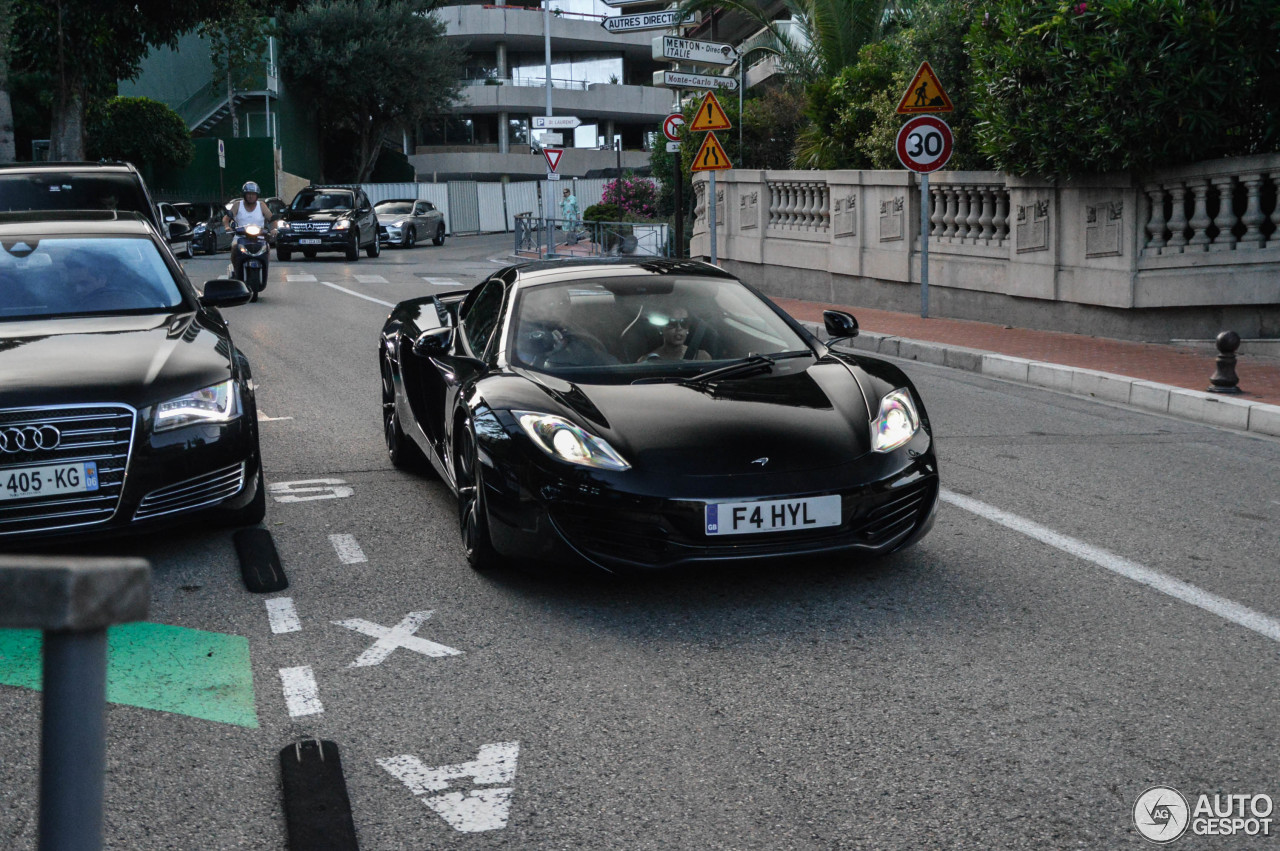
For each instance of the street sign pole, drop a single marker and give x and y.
(711, 218)
(678, 177)
(924, 245)
(548, 200)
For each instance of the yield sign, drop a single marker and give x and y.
(711, 156)
(553, 156)
(710, 116)
(925, 94)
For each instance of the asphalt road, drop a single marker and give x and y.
(983, 690)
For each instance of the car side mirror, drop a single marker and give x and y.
(224, 292)
(177, 230)
(433, 342)
(839, 324)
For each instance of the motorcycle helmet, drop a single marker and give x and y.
(248, 187)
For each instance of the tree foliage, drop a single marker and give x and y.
(1104, 85)
(142, 131)
(370, 65)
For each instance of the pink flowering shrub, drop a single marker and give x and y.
(635, 196)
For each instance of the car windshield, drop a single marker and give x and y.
(69, 276)
(313, 201)
(63, 191)
(644, 326)
(394, 208)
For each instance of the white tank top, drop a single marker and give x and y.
(245, 217)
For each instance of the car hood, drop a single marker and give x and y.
(390, 218)
(137, 360)
(806, 415)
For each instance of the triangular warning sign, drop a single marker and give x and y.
(925, 94)
(553, 156)
(711, 156)
(710, 115)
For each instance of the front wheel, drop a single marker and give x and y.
(410, 238)
(252, 514)
(438, 239)
(473, 515)
(375, 248)
(353, 250)
(401, 450)
(253, 280)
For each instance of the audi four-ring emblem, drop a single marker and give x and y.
(16, 439)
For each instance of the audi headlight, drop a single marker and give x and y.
(897, 422)
(217, 404)
(342, 224)
(564, 441)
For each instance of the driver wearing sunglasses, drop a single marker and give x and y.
(675, 339)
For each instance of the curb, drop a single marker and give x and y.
(1193, 405)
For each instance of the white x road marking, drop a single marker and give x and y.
(400, 635)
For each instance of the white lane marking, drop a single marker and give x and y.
(475, 811)
(347, 548)
(300, 691)
(356, 294)
(442, 282)
(263, 418)
(370, 279)
(303, 278)
(306, 490)
(283, 615)
(400, 635)
(1186, 592)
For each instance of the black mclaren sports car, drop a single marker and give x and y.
(647, 415)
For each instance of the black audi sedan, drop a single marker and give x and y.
(656, 414)
(124, 403)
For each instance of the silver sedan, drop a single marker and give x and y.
(404, 222)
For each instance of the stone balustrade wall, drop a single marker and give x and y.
(1178, 253)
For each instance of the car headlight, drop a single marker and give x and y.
(282, 225)
(200, 228)
(398, 225)
(897, 422)
(217, 404)
(342, 224)
(564, 441)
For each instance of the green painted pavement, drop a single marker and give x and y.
(155, 666)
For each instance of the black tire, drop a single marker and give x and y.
(401, 451)
(410, 238)
(353, 250)
(438, 239)
(375, 247)
(473, 516)
(284, 254)
(309, 253)
(251, 514)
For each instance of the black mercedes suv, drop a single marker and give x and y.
(328, 218)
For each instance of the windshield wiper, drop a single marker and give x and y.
(750, 365)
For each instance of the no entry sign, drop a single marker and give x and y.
(924, 144)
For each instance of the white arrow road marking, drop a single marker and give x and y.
(475, 811)
(263, 418)
(347, 548)
(283, 615)
(300, 691)
(442, 282)
(356, 294)
(400, 635)
(1165, 584)
(307, 490)
(370, 279)
(302, 278)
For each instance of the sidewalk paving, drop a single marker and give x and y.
(1161, 378)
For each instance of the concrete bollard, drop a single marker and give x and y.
(1224, 378)
(73, 601)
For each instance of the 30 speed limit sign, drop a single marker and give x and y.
(924, 144)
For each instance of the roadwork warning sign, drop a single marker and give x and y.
(925, 94)
(711, 156)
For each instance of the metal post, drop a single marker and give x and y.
(550, 200)
(73, 600)
(711, 216)
(742, 85)
(924, 246)
(679, 179)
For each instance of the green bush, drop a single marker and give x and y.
(602, 213)
(1109, 85)
(142, 131)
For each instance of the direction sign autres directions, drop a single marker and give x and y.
(681, 80)
(924, 94)
(675, 49)
(648, 21)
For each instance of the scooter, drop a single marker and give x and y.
(251, 243)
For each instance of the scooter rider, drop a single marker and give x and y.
(245, 212)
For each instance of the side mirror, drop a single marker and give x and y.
(433, 342)
(840, 324)
(224, 292)
(177, 230)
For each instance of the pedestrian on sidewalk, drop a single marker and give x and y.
(570, 216)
